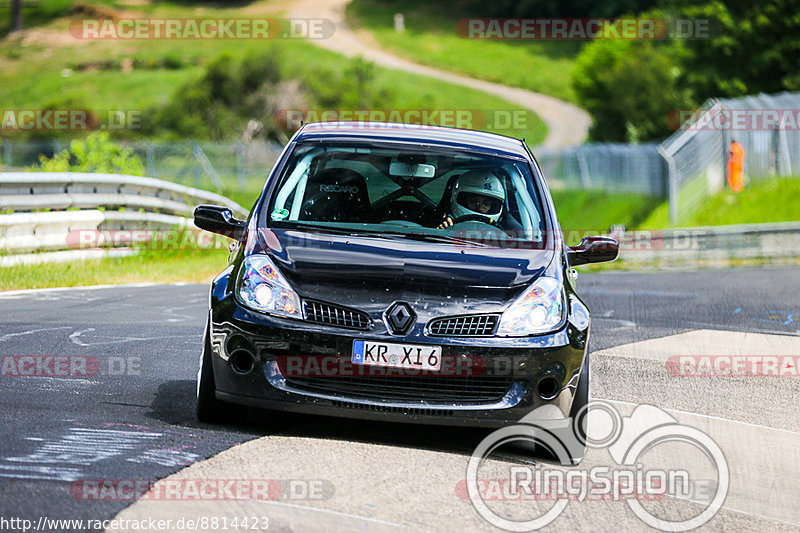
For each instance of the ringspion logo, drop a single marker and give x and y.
(626, 478)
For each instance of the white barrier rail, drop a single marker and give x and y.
(84, 201)
(28, 191)
(711, 244)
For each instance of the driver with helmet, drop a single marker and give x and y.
(477, 194)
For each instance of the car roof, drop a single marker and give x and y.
(413, 133)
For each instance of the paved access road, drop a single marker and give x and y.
(133, 419)
(567, 124)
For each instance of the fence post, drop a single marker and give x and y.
(240, 171)
(783, 154)
(7, 159)
(150, 158)
(583, 170)
(672, 184)
(195, 164)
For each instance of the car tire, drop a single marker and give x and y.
(579, 403)
(208, 408)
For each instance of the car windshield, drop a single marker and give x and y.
(406, 191)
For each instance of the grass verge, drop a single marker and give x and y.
(599, 210)
(192, 266)
(775, 200)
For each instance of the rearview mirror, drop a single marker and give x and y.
(219, 220)
(593, 250)
(411, 170)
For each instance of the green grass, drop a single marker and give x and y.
(244, 197)
(38, 13)
(34, 75)
(775, 200)
(430, 38)
(586, 211)
(198, 266)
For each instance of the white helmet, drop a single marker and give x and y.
(478, 192)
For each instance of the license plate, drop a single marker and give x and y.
(397, 355)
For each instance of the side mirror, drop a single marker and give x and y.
(593, 250)
(219, 220)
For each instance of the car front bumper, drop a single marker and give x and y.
(250, 350)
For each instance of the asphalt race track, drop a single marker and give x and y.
(132, 417)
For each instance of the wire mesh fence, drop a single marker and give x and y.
(610, 167)
(237, 166)
(232, 166)
(687, 167)
(766, 126)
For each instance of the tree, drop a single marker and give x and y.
(16, 15)
(751, 47)
(629, 88)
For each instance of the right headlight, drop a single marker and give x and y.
(262, 287)
(540, 309)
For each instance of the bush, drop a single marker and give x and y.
(629, 88)
(220, 104)
(95, 153)
(354, 88)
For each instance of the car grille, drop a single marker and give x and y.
(333, 315)
(464, 326)
(472, 389)
(392, 409)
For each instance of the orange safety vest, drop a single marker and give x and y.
(736, 167)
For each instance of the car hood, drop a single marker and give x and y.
(367, 272)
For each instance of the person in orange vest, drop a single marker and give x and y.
(736, 167)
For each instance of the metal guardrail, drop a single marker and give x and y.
(709, 244)
(162, 205)
(84, 201)
(28, 191)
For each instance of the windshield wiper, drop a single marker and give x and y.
(338, 231)
(448, 239)
(425, 237)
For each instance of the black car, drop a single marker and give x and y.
(402, 273)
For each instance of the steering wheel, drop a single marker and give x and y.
(402, 223)
(475, 218)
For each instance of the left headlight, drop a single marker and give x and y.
(262, 287)
(539, 310)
